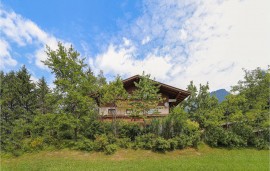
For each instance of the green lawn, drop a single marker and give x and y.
(190, 159)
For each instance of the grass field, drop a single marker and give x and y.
(204, 158)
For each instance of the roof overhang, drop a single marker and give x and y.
(173, 92)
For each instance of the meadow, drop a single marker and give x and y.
(203, 158)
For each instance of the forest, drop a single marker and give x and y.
(36, 117)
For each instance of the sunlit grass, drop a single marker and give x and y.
(204, 158)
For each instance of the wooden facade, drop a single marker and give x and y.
(172, 96)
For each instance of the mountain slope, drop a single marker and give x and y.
(220, 94)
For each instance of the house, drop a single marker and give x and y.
(172, 96)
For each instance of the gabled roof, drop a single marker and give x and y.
(173, 92)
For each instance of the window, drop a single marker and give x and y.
(111, 111)
(153, 111)
(128, 111)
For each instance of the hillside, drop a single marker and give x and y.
(220, 94)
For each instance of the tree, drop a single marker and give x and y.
(146, 96)
(254, 90)
(190, 104)
(115, 94)
(42, 96)
(206, 104)
(101, 80)
(200, 105)
(26, 95)
(74, 84)
(18, 108)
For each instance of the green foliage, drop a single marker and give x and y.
(129, 130)
(260, 143)
(34, 117)
(96, 127)
(200, 104)
(146, 96)
(110, 149)
(172, 144)
(115, 94)
(74, 83)
(101, 142)
(123, 142)
(160, 145)
(84, 145)
(144, 141)
(37, 143)
(43, 91)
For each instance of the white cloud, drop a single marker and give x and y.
(196, 40)
(23, 32)
(145, 40)
(120, 60)
(5, 58)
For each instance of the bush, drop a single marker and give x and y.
(144, 141)
(129, 130)
(173, 144)
(37, 143)
(123, 142)
(84, 145)
(212, 135)
(183, 141)
(111, 138)
(101, 142)
(96, 127)
(230, 139)
(160, 145)
(110, 149)
(261, 144)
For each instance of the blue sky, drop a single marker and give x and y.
(174, 40)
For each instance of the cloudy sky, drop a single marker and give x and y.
(175, 41)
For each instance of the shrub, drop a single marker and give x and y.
(110, 149)
(129, 130)
(212, 135)
(261, 144)
(37, 143)
(123, 142)
(111, 138)
(182, 141)
(84, 145)
(230, 139)
(160, 145)
(101, 142)
(96, 127)
(144, 141)
(173, 144)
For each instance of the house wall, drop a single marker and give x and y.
(122, 111)
(162, 109)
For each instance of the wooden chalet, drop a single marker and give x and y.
(172, 96)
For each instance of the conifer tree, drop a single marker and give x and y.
(114, 94)
(146, 96)
(42, 96)
(26, 96)
(74, 85)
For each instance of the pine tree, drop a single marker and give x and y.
(74, 85)
(26, 95)
(114, 94)
(101, 80)
(190, 104)
(146, 96)
(42, 96)
(200, 105)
